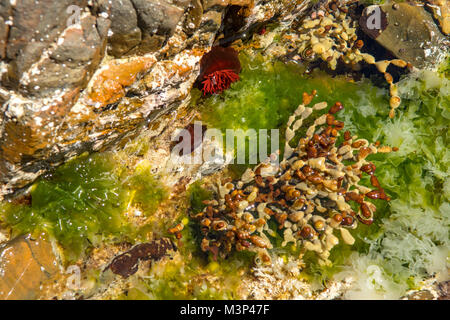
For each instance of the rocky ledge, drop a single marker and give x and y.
(87, 74)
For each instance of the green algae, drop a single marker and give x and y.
(409, 239)
(197, 195)
(187, 278)
(145, 190)
(81, 204)
(416, 177)
(269, 91)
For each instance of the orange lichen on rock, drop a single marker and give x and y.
(109, 85)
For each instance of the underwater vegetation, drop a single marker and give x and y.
(82, 204)
(413, 240)
(314, 190)
(409, 238)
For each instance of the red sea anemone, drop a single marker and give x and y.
(219, 68)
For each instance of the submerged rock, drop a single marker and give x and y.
(407, 31)
(127, 263)
(441, 12)
(24, 265)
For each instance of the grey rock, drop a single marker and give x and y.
(157, 17)
(71, 63)
(34, 28)
(123, 17)
(408, 32)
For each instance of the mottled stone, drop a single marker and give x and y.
(441, 11)
(157, 17)
(33, 29)
(24, 265)
(193, 16)
(3, 37)
(108, 85)
(444, 290)
(407, 31)
(207, 4)
(126, 35)
(78, 52)
(149, 43)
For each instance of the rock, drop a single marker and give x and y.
(127, 263)
(24, 265)
(5, 13)
(407, 31)
(3, 37)
(421, 295)
(149, 43)
(193, 17)
(78, 52)
(208, 4)
(441, 11)
(157, 17)
(61, 97)
(108, 85)
(126, 34)
(33, 29)
(444, 290)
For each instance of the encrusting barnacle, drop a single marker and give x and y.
(309, 194)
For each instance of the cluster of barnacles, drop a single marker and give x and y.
(330, 35)
(309, 193)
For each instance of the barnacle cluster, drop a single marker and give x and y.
(330, 34)
(309, 194)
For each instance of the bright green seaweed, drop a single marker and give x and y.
(82, 203)
(416, 177)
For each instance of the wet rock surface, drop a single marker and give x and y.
(63, 93)
(95, 84)
(407, 30)
(25, 263)
(444, 290)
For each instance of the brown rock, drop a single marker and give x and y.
(108, 86)
(3, 37)
(25, 264)
(193, 16)
(54, 117)
(444, 290)
(34, 28)
(208, 4)
(149, 43)
(70, 65)
(127, 264)
(126, 34)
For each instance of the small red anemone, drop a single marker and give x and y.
(219, 68)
